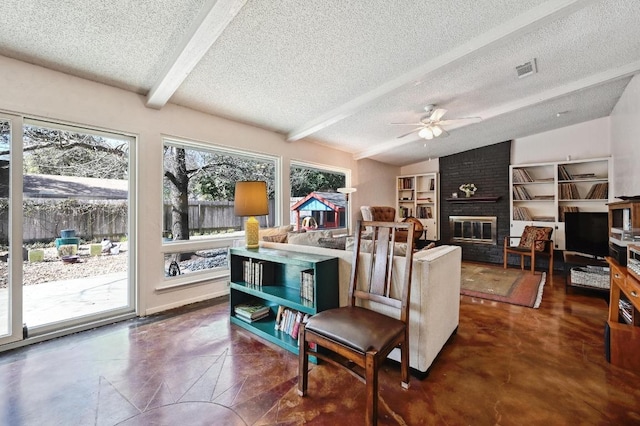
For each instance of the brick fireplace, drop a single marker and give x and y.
(488, 169)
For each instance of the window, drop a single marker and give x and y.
(198, 212)
(314, 195)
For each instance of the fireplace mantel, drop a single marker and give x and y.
(474, 200)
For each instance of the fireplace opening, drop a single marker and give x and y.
(474, 229)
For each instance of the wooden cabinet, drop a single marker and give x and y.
(624, 227)
(623, 333)
(281, 286)
(418, 196)
(541, 193)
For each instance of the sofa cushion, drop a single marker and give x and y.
(309, 238)
(337, 243)
(399, 249)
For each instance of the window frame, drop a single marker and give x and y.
(211, 242)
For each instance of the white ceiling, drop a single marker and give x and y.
(339, 71)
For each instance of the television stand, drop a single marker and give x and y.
(573, 260)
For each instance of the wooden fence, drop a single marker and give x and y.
(94, 220)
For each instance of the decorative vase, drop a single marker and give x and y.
(468, 194)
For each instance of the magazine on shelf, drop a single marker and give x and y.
(251, 309)
(247, 319)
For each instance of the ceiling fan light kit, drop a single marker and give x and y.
(430, 126)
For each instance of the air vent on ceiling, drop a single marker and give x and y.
(526, 69)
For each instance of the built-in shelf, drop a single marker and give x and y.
(474, 200)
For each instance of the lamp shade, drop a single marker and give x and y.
(251, 198)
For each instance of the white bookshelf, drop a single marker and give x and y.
(540, 193)
(418, 196)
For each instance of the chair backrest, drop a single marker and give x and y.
(383, 213)
(373, 275)
(532, 233)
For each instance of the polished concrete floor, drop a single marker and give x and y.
(507, 365)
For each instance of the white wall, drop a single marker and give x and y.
(429, 166)
(37, 92)
(625, 145)
(591, 139)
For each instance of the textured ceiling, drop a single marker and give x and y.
(338, 71)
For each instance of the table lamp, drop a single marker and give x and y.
(251, 200)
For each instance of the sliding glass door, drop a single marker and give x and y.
(75, 225)
(66, 228)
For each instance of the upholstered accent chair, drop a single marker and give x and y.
(378, 213)
(535, 241)
(388, 214)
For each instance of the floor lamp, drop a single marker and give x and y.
(346, 192)
(251, 200)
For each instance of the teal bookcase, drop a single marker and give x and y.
(281, 286)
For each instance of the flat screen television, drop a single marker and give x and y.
(587, 233)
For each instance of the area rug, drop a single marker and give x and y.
(512, 286)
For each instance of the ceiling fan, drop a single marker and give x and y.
(431, 125)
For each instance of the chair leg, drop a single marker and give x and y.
(522, 262)
(404, 362)
(505, 259)
(371, 377)
(303, 362)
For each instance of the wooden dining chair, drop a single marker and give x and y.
(355, 337)
(535, 241)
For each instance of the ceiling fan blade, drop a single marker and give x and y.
(437, 114)
(408, 133)
(469, 120)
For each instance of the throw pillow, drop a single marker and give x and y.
(338, 243)
(532, 233)
(278, 238)
(276, 230)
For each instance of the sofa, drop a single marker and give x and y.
(435, 297)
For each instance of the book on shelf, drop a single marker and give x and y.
(306, 285)
(566, 209)
(584, 175)
(521, 193)
(405, 183)
(521, 176)
(288, 321)
(405, 211)
(425, 212)
(521, 213)
(544, 218)
(569, 191)
(251, 310)
(258, 272)
(598, 191)
(563, 173)
(543, 197)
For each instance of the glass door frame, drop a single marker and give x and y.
(14, 263)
